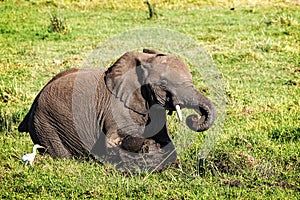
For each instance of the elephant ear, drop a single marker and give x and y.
(125, 79)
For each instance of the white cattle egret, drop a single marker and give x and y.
(29, 158)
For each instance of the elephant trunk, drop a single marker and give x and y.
(204, 107)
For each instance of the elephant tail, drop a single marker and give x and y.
(25, 124)
(23, 127)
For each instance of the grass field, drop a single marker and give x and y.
(255, 46)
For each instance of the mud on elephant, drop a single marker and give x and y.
(118, 115)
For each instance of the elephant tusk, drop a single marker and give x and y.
(178, 111)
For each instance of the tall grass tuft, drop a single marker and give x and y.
(57, 24)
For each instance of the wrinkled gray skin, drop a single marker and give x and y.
(117, 115)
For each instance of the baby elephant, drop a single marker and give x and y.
(118, 115)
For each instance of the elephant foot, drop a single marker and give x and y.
(140, 145)
(144, 154)
(149, 146)
(143, 162)
(132, 144)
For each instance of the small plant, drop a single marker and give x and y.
(152, 10)
(57, 24)
(285, 19)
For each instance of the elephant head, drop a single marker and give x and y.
(142, 80)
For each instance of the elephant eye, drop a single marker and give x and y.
(163, 82)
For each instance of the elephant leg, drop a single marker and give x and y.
(57, 150)
(49, 138)
(53, 147)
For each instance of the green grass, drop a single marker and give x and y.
(256, 48)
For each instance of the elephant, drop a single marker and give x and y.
(118, 115)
